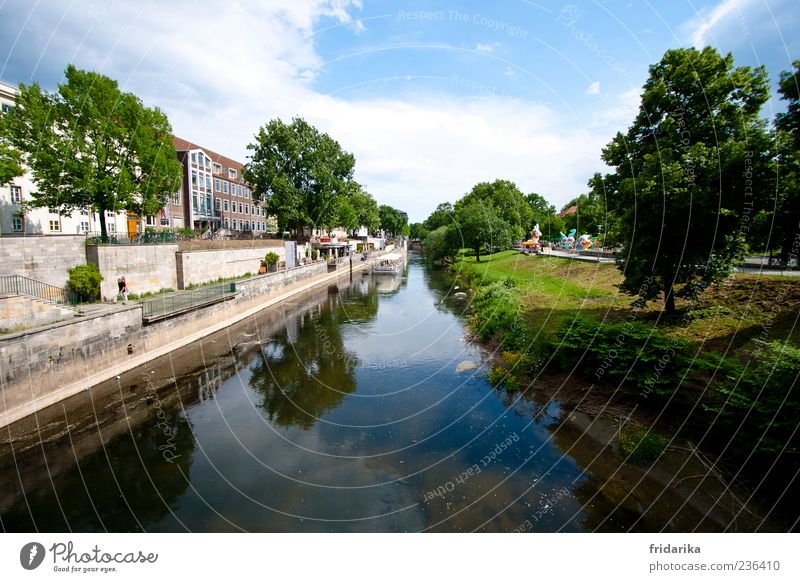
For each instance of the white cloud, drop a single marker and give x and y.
(594, 88)
(484, 48)
(702, 27)
(412, 153)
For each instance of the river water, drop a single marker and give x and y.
(349, 408)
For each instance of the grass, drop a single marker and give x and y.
(728, 317)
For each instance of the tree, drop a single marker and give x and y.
(785, 221)
(437, 244)
(680, 188)
(366, 208)
(92, 147)
(301, 172)
(391, 220)
(507, 201)
(418, 231)
(478, 227)
(10, 163)
(442, 216)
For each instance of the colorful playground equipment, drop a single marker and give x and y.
(532, 244)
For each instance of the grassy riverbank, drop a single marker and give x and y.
(724, 369)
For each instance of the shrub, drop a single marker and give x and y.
(314, 254)
(639, 444)
(85, 281)
(501, 377)
(759, 402)
(271, 258)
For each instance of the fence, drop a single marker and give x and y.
(20, 285)
(154, 309)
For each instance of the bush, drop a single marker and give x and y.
(85, 281)
(271, 258)
(639, 444)
(501, 377)
(759, 402)
(314, 254)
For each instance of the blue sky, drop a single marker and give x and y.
(431, 97)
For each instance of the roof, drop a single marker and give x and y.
(571, 210)
(390, 257)
(182, 145)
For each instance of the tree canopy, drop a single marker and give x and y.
(391, 220)
(304, 174)
(478, 226)
(92, 147)
(507, 202)
(784, 217)
(680, 185)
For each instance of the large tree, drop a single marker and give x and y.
(479, 227)
(785, 220)
(442, 216)
(507, 201)
(92, 147)
(680, 189)
(302, 173)
(392, 221)
(366, 208)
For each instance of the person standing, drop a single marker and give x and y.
(123, 290)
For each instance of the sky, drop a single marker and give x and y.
(432, 97)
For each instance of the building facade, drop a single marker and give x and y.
(213, 195)
(17, 217)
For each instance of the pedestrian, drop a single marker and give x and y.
(123, 290)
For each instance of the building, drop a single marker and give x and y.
(213, 195)
(18, 219)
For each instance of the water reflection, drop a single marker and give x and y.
(343, 409)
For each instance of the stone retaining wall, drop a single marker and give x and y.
(145, 267)
(43, 258)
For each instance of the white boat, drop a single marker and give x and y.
(390, 264)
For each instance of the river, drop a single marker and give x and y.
(348, 408)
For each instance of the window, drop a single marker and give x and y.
(194, 178)
(247, 209)
(226, 223)
(194, 202)
(150, 220)
(53, 210)
(231, 173)
(16, 194)
(176, 199)
(234, 224)
(224, 186)
(225, 205)
(217, 185)
(84, 226)
(217, 205)
(208, 182)
(84, 212)
(6, 108)
(112, 228)
(55, 225)
(16, 223)
(217, 168)
(194, 158)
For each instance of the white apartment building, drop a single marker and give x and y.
(16, 220)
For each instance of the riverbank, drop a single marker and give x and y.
(721, 374)
(50, 364)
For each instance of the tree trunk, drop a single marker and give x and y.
(669, 299)
(103, 230)
(478, 254)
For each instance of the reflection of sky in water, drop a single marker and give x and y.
(386, 421)
(412, 425)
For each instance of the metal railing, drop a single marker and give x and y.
(20, 285)
(183, 301)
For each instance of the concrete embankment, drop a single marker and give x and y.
(41, 367)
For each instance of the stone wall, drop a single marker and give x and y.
(145, 267)
(198, 267)
(36, 364)
(43, 258)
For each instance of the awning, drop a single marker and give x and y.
(530, 243)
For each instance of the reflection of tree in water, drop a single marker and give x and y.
(114, 491)
(304, 373)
